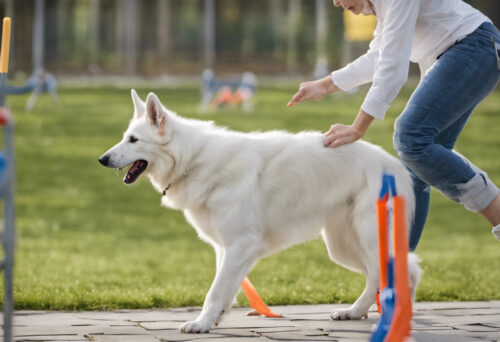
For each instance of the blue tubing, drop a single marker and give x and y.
(388, 186)
(3, 167)
(47, 82)
(387, 302)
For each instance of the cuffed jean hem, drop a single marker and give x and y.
(478, 193)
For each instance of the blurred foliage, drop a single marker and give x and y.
(249, 35)
(87, 36)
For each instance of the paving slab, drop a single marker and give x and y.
(119, 338)
(432, 322)
(59, 338)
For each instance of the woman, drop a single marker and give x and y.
(456, 47)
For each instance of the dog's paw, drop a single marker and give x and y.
(346, 314)
(194, 327)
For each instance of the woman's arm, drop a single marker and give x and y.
(390, 74)
(352, 75)
(361, 70)
(391, 69)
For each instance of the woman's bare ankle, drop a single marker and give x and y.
(492, 212)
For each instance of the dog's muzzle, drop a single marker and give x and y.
(137, 167)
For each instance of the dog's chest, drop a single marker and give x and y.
(200, 219)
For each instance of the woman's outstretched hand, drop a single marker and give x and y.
(314, 90)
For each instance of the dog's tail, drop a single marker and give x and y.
(404, 182)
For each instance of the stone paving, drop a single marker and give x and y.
(439, 321)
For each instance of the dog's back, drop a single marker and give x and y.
(294, 184)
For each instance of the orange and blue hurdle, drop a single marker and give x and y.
(394, 324)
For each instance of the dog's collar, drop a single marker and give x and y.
(166, 188)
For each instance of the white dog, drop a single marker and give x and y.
(250, 195)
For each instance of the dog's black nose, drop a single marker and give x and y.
(104, 160)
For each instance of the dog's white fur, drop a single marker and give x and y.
(250, 195)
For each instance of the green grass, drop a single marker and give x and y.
(86, 241)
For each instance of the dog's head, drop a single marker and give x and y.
(144, 140)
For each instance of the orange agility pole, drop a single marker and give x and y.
(383, 241)
(400, 327)
(255, 301)
(4, 57)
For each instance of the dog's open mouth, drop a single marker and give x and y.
(135, 170)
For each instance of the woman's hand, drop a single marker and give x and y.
(339, 134)
(314, 90)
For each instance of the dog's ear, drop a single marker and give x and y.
(156, 115)
(139, 105)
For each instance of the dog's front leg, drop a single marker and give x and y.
(236, 262)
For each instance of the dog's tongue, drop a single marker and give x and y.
(134, 171)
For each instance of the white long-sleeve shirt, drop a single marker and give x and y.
(407, 30)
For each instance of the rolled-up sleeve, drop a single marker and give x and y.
(391, 67)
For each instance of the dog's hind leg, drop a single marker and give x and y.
(360, 308)
(237, 260)
(355, 246)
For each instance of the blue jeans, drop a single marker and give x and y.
(436, 113)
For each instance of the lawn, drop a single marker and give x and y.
(86, 241)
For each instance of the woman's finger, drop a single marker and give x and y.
(337, 130)
(296, 98)
(329, 138)
(330, 144)
(292, 103)
(337, 142)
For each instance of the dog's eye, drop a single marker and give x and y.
(132, 139)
